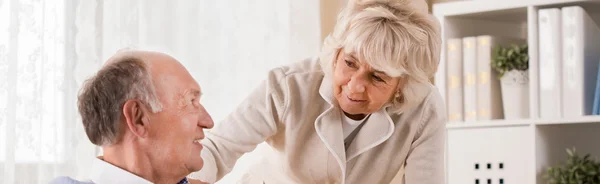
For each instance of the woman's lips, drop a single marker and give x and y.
(355, 100)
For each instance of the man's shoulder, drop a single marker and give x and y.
(67, 180)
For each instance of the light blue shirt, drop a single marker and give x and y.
(104, 172)
(67, 180)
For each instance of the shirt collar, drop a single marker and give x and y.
(326, 89)
(104, 172)
(183, 181)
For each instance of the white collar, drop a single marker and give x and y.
(104, 172)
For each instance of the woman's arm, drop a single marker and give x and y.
(253, 121)
(425, 162)
(193, 181)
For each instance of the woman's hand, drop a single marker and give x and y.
(194, 181)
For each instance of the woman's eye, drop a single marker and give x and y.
(350, 63)
(378, 79)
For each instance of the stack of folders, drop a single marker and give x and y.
(569, 41)
(474, 92)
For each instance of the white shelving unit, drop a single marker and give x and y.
(524, 148)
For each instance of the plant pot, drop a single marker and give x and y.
(515, 94)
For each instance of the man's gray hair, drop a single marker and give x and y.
(101, 99)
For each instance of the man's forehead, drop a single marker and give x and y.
(175, 81)
(167, 73)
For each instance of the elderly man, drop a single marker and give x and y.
(143, 108)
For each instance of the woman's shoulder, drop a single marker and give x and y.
(303, 68)
(434, 107)
(429, 96)
(431, 103)
(434, 97)
(297, 78)
(296, 83)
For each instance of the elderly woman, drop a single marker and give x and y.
(357, 114)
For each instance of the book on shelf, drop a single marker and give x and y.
(581, 53)
(454, 79)
(596, 108)
(469, 51)
(489, 96)
(550, 62)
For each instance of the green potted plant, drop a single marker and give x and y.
(578, 170)
(512, 65)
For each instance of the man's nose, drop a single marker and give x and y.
(205, 120)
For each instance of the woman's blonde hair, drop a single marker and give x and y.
(391, 36)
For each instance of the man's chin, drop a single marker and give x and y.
(196, 165)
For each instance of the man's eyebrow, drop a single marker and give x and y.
(195, 92)
(191, 92)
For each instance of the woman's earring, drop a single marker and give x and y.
(398, 97)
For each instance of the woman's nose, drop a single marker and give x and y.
(356, 84)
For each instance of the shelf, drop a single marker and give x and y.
(508, 15)
(530, 145)
(478, 6)
(522, 122)
(489, 124)
(551, 142)
(579, 120)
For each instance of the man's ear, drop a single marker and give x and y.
(136, 117)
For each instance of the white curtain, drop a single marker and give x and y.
(40, 136)
(47, 49)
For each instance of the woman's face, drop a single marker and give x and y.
(359, 89)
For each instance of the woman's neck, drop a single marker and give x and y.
(355, 116)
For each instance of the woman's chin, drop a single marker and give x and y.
(352, 110)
